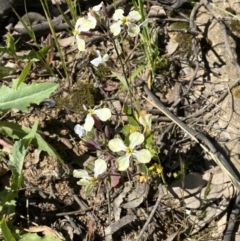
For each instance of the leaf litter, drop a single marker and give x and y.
(119, 212)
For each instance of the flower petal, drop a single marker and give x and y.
(115, 28)
(136, 138)
(122, 163)
(84, 182)
(134, 16)
(97, 7)
(80, 43)
(116, 145)
(133, 30)
(100, 166)
(146, 120)
(80, 173)
(79, 130)
(89, 123)
(83, 24)
(118, 14)
(143, 156)
(98, 53)
(144, 23)
(78, 23)
(95, 62)
(103, 114)
(93, 21)
(105, 58)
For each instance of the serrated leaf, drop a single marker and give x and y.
(136, 72)
(18, 151)
(35, 237)
(17, 156)
(16, 131)
(22, 97)
(122, 79)
(17, 82)
(6, 231)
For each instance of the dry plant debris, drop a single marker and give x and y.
(140, 140)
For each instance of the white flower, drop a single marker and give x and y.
(100, 167)
(98, 7)
(117, 145)
(133, 16)
(80, 131)
(83, 25)
(146, 121)
(99, 59)
(103, 114)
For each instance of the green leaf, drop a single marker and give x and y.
(35, 237)
(89, 190)
(149, 144)
(6, 231)
(5, 71)
(22, 97)
(143, 168)
(136, 72)
(128, 129)
(10, 45)
(16, 131)
(17, 156)
(18, 151)
(130, 114)
(22, 77)
(36, 56)
(7, 202)
(122, 79)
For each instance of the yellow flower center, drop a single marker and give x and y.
(93, 180)
(76, 32)
(129, 150)
(125, 20)
(91, 111)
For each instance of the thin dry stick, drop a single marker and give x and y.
(161, 194)
(201, 139)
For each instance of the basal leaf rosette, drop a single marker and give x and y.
(135, 139)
